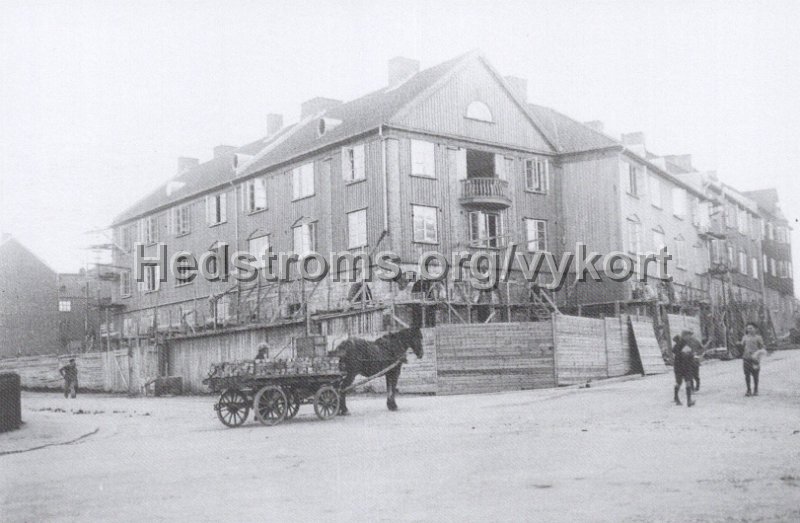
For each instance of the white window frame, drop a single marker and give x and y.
(255, 195)
(425, 224)
(479, 236)
(216, 209)
(423, 158)
(258, 246)
(125, 283)
(152, 279)
(149, 230)
(679, 202)
(537, 174)
(743, 262)
(305, 235)
(303, 181)
(536, 235)
(754, 266)
(632, 173)
(680, 253)
(634, 233)
(477, 110)
(355, 165)
(772, 270)
(64, 305)
(182, 219)
(654, 188)
(357, 229)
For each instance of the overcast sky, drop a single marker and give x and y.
(98, 99)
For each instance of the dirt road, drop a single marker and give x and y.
(614, 452)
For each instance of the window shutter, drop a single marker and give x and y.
(261, 194)
(345, 164)
(461, 164)
(546, 174)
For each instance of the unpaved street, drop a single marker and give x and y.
(618, 451)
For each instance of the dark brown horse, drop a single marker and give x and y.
(367, 358)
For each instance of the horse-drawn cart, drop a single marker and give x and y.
(274, 394)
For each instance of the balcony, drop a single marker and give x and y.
(485, 193)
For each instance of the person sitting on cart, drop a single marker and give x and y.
(263, 351)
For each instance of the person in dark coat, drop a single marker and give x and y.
(697, 351)
(70, 374)
(684, 369)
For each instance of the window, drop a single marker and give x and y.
(216, 211)
(772, 267)
(126, 238)
(481, 164)
(485, 229)
(258, 247)
(305, 238)
(743, 262)
(536, 232)
(256, 195)
(536, 171)
(754, 266)
(634, 236)
(654, 188)
(731, 256)
(765, 267)
(743, 221)
(125, 283)
(632, 178)
(357, 229)
(148, 230)
(680, 252)
(679, 202)
(425, 224)
(151, 282)
(303, 181)
(770, 231)
(182, 219)
(355, 165)
(659, 239)
(479, 111)
(423, 161)
(185, 275)
(64, 306)
(730, 216)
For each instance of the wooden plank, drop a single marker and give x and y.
(647, 346)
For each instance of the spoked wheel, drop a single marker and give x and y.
(270, 405)
(232, 408)
(326, 402)
(294, 405)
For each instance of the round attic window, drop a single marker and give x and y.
(479, 111)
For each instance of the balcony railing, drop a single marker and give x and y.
(485, 192)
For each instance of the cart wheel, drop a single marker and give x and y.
(232, 408)
(294, 404)
(326, 402)
(270, 405)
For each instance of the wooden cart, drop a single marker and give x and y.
(274, 397)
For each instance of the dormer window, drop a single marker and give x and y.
(479, 111)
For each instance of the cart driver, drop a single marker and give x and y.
(263, 351)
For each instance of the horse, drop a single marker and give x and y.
(367, 358)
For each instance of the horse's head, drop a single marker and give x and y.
(414, 340)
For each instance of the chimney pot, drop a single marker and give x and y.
(317, 105)
(519, 86)
(274, 123)
(401, 69)
(187, 164)
(223, 150)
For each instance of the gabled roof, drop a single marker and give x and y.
(568, 135)
(767, 199)
(11, 249)
(357, 117)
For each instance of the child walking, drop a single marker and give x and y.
(753, 346)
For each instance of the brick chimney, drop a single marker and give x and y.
(274, 123)
(223, 150)
(596, 125)
(684, 161)
(635, 143)
(187, 164)
(317, 105)
(519, 86)
(401, 69)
